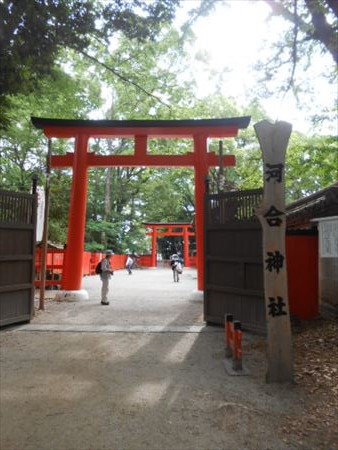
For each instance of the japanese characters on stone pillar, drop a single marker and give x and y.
(273, 140)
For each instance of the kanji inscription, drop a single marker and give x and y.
(274, 261)
(274, 171)
(276, 307)
(273, 216)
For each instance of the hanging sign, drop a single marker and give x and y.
(40, 213)
(328, 237)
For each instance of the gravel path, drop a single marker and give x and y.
(143, 373)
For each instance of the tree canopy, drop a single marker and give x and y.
(125, 60)
(33, 32)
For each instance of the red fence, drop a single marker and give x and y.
(144, 261)
(54, 265)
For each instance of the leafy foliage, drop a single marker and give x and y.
(33, 32)
(22, 148)
(141, 74)
(311, 165)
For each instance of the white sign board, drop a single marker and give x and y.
(328, 238)
(40, 213)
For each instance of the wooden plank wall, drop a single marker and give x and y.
(17, 253)
(233, 260)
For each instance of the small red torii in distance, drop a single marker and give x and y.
(141, 130)
(157, 230)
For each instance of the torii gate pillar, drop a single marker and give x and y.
(73, 263)
(201, 172)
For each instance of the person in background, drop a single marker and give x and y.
(180, 259)
(129, 264)
(176, 265)
(105, 275)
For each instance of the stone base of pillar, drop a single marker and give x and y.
(197, 296)
(71, 296)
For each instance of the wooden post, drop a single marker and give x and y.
(220, 176)
(154, 247)
(237, 346)
(229, 328)
(273, 140)
(186, 246)
(44, 244)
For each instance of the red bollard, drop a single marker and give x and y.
(229, 335)
(237, 339)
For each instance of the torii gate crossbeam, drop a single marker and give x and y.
(140, 130)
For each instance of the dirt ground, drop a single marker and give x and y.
(144, 373)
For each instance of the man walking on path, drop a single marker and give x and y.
(105, 275)
(129, 264)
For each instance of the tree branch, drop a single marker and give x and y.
(123, 78)
(294, 48)
(324, 32)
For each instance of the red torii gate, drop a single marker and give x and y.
(171, 230)
(141, 130)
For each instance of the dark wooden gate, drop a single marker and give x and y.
(233, 259)
(17, 251)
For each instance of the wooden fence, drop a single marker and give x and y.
(17, 252)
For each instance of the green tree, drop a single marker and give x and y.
(33, 32)
(311, 165)
(168, 196)
(22, 148)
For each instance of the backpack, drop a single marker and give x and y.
(98, 268)
(179, 267)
